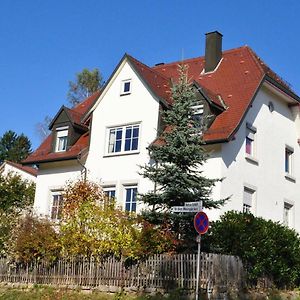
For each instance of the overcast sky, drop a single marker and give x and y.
(44, 43)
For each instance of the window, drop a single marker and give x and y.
(57, 206)
(197, 115)
(123, 139)
(250, 140)
(61, 139)
(130, 198)
(248, 200)
(288, 160)
(110, 192)
(126, 87)
(287, 214)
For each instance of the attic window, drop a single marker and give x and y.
(126, 87)
(197, 115)
(61, 139)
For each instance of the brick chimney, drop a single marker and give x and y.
(213, 50)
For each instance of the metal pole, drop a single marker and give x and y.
(198, 266)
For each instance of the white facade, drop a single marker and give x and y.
(263, 173)
(7, 168)
(118, 170)
(51, 180)
(257, 182)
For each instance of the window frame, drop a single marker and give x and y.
(123, 141)
(251, 132)
(108, 189)
(288, 160)
(58, 207)
(131, 203)
(198, 110)
(61, 132)
(123, 85)
(250, 208)
(288, 218)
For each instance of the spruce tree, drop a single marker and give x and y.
(177, 158)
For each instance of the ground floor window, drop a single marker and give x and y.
(110, 192)
(57, 206)
(130, 198)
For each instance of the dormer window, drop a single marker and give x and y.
(126, 87)
(197, 115)
(61, 139)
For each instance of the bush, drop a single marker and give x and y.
(34, 239)
(268, 249)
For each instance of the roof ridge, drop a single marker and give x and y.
(194, 58)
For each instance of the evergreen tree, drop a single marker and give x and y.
(14, 147)
(177, 158)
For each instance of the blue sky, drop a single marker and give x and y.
(44, 43)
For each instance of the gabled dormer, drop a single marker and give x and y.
(66, 129)
(208, 106)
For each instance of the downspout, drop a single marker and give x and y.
(82, 165)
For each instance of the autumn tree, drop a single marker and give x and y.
(14, 147)
(92, 224)
(86, 83)
(32, 239)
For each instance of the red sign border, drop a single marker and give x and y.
(197, 215)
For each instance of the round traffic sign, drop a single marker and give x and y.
(201, 222)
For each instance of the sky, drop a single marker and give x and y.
(43, 44)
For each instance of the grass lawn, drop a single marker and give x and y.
(48, 293)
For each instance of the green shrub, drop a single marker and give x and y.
(268, 249)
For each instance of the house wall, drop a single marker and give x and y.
(265, 174)
(8, 168)
(52, 178)
(140, 106)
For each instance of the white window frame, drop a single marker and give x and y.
(250, 135)
(288, 213)
(126, 187)
(288, 160)
(53, 194)
(61, 132)
(108, 189)
(123, 84)
(112, 143)
(249, 207)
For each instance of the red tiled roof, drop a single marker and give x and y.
(30, 170)
(84, 106)
(44, 152)
(236, 80)
(233, 84)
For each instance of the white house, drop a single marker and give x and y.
(26, 173)
(253, 137)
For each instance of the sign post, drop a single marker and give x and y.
(201, 224)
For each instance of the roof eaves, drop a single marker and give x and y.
(54, 159)
(282, 87)
(87, 115)
(233, 132)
